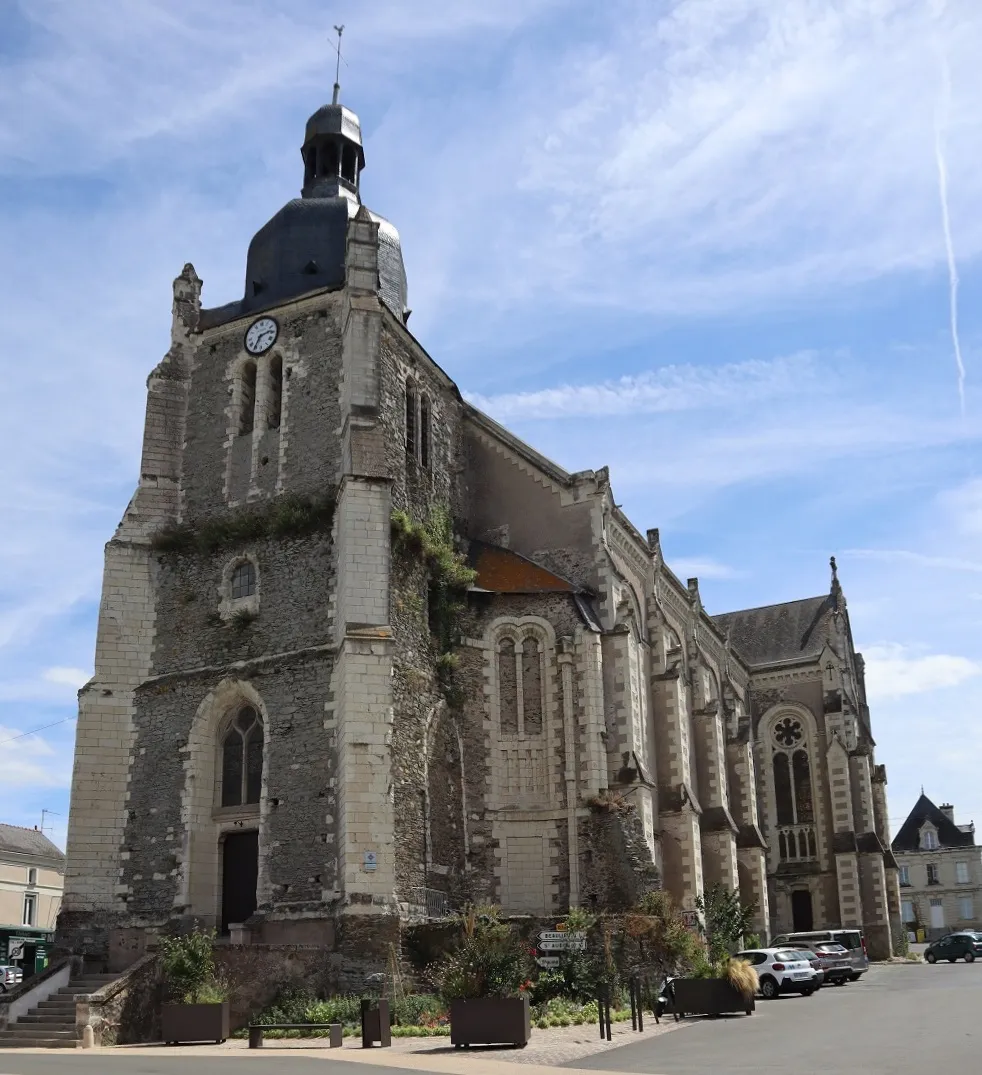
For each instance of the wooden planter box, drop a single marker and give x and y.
(490, 1021)
(194, 1022)
(708, 996)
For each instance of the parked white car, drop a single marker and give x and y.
(781, 970)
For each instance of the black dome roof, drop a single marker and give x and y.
(302, 248)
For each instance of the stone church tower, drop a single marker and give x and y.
(363, 655)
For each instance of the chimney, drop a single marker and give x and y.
(948, 810)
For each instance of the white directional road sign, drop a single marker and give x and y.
(562, 935)
(562, 946)
(548, 962)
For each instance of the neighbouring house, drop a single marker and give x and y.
(940, 870)
(309, 725)
(32, 877)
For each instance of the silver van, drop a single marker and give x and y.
(851, 939)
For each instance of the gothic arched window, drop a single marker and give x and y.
(247, 398)
(507, 688)
(793, 794)
(242, 759)
(782, 790)
(424, 431)
(411, 420)
(532, 686)
(802, 787)
(275, 403)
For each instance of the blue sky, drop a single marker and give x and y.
(701, 241)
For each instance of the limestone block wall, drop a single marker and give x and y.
(104, 741)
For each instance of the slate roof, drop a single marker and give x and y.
(21, 841)
(775, 633)
(949, 834)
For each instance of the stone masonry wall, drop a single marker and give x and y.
(305, 453)
(297, 775)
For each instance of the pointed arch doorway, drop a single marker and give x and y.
(802, 916)
(240, 876)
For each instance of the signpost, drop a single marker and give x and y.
(548, 962)
(560, 940)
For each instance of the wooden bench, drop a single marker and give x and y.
(256, 1031)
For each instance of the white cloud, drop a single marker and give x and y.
(668, 388)
(893, 671)
(75, 678)
(28, 761)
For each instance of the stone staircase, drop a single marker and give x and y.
(51, 1025)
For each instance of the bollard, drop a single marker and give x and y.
(375, 1025)
(603, 1006)
(88, 1037)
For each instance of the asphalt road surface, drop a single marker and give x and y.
(123, 1062)
(898, 1019)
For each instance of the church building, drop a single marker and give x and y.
(364, 656)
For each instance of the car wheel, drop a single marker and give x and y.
(840, 981)
(969, 957)
(930, 957)
(768, 988)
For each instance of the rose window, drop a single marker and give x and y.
(787, 732)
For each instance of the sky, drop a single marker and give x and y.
(730, 248)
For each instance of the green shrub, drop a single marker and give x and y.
(188, 963)
(488, 960)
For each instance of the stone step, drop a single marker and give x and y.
(18, 1031)
(36, 1043)
(47, 1007)
(47, 1018)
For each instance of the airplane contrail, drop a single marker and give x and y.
(940, 127)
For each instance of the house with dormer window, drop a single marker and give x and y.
(940, 871)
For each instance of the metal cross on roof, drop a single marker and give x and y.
(337, 71)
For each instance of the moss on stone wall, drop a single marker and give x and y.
(284, 517)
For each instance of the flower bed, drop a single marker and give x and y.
(561, 1012)
(418, 1015)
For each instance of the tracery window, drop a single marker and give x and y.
(520, 681)
(242, 759)
(792, 779)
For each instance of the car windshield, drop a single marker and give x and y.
(831, 949)
(787, 956)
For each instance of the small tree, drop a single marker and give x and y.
(727, 920)
(188, 962)
(488, 959)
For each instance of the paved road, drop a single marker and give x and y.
(122, 1062)
(897, 1020)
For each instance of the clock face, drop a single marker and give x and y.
(261, 335)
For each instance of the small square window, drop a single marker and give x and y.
(243, 581)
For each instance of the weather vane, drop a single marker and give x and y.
(337, 69)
